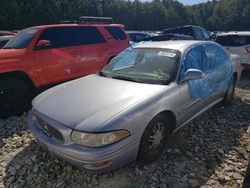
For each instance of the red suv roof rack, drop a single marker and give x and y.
(89, 20)
(100, 20)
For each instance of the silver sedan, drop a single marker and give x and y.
(128, 110)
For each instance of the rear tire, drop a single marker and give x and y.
(154, 139)
(229, 96)
(15, 97)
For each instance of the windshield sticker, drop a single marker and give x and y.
(167, 54)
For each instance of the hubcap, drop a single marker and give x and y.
(156, 135)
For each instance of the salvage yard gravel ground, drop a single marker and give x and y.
(212, 151)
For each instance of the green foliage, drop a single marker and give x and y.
(136, 15)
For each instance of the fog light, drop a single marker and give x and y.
(101, 164)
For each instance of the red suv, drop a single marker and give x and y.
(44, 55)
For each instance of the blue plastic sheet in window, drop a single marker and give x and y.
(216, 65)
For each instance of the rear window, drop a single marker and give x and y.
(233, 40)
(72, 36)
(116, 32)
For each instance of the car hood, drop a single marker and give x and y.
(91, 100)
(11, 53)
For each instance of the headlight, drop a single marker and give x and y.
(98, 139)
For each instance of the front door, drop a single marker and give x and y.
(58, 61)
(192, 97)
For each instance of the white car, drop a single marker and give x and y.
(237, 66)
(237, 43)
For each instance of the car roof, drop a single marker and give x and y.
(243, 33)
(180, 45)
(70, 25)
(184, 26)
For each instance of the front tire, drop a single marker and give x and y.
(154, 139)
(15, 97)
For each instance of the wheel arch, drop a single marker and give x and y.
(19, 75)
(171, 117)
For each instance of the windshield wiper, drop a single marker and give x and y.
(104, 74)
(127, 78)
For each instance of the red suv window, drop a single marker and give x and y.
(72, 36)
(116, 33)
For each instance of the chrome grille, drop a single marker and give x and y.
(49, 130)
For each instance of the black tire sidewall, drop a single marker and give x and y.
(25, 92)
(228, 98)
(146, 154)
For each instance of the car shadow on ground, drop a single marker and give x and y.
(197, 152)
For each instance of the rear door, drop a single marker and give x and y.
(192, 98)
(118, 40)
(218, 71)
(59, 61)
(94, 51)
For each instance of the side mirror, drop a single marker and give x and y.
(42, 44)
(193, 74)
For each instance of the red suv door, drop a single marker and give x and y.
(94, 51)
(119, 40)
(58, 61)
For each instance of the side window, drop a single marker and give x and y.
(71, 36)
(206, 34)
(198, 34)
(224, 40)
(233, 40)
(116, 32)
(216, 65)
(194, 59)
(216, 57)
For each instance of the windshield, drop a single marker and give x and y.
(22, 39)
(157, 66)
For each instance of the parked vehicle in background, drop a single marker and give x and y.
(166, 37)
(3, 33)
(198, 33)
(128, 110)
(237, 66)
(4, 39)
(212, 35)
(137, 36)
(49, 54)
(237, 42)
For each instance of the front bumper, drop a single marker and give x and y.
(119, 153)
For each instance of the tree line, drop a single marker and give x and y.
(222, 15)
